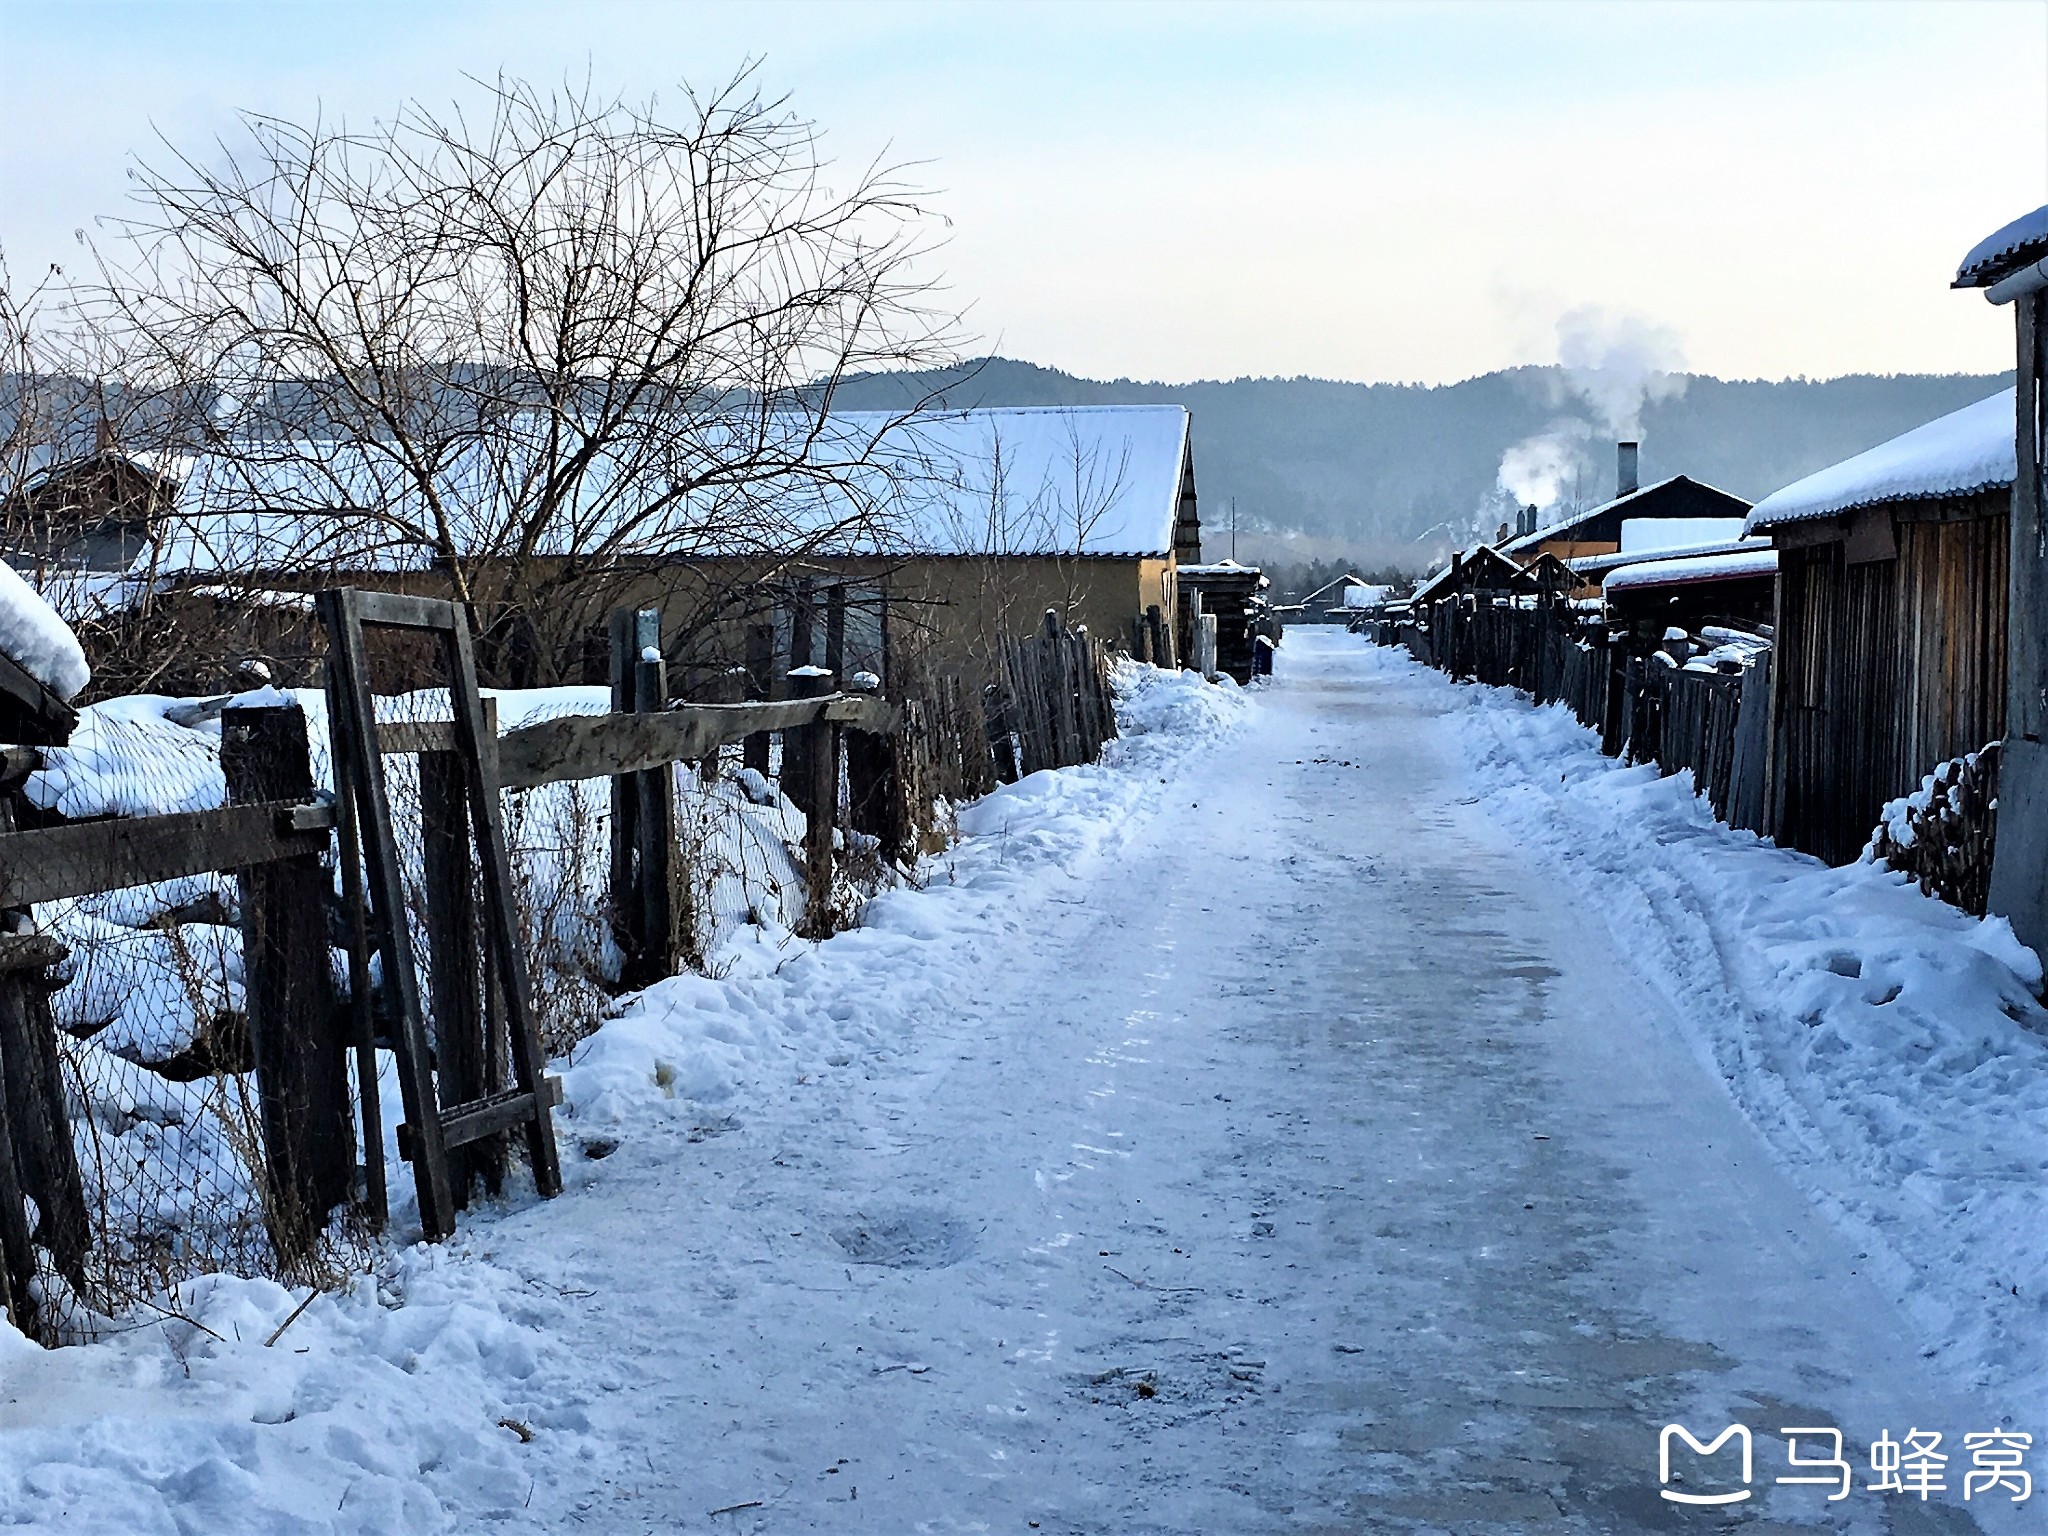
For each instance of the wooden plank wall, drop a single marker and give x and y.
(1886, 669)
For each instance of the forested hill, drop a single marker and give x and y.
(1378, 465)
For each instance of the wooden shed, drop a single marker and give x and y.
(1229, 593)
(1890, 626)
(1696, 513)
(1736, 588)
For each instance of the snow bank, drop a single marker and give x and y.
(1889, 1047)
(402, 1404)
(37, 640)
(708, 1038)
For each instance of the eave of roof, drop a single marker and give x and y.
(2004, 251)
(1964, 453)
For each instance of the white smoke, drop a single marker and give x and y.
(1538, 470)
(1616, 364)
(1610, 366)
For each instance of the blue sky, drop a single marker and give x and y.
(1178, 191)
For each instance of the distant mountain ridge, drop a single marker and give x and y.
(1379, 466)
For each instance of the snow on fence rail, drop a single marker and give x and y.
(197, 1053)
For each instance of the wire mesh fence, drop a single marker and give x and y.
(148, 1012)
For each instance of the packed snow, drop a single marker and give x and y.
(1891, 1048)
(1967, 451)
(36, 640)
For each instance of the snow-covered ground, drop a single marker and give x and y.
(1355, 1106)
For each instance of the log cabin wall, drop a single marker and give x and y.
(1885, 667)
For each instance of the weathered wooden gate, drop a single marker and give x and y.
(436, 1122)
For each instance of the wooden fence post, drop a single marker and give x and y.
(655, 839)
(760, 681)
(1155, 629)
(819, 776)
(632, 631)
(835, 629)
(37, 1129)
(45, 1158)
(643, 812)
(873, 798)
(296, 1035)
(17, 1256)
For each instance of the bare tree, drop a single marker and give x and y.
(553, 351)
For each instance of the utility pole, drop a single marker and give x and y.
(1233, 528)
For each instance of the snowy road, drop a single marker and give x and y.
(1303, 1163)
(1259, 1134)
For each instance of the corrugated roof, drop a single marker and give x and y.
(2025, 239)
(1959, 454)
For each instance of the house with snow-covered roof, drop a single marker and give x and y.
(966, 525)
(1676, 510)
(1890, 641)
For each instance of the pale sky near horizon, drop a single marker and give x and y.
(1172, 191)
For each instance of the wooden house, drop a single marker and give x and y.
(965, 526)
(1695, 513)
(1483, 571)
(93, 514)
(1890, 625)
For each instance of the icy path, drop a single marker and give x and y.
(1304, 1163)
(1298, 1152)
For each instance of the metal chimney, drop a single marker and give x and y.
(1626, 482)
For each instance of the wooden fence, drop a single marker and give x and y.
(853, 761)
(1645, 706)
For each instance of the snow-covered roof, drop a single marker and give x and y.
(2024, 239)
(1087, 480)
(36, 640)
(1364, 594)
(1642, 535)
(1692, 570)
(1529, 541)
(1597, 565)
(1959, 454)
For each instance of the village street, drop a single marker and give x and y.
(1301, 1162)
